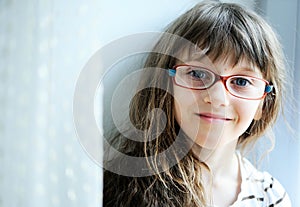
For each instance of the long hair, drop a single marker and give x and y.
(218, 29)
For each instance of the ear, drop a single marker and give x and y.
(258, 113)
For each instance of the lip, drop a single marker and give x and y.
(213, 117)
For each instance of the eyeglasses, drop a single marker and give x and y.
(199, 78)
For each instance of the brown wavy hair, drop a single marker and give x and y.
(218, 29)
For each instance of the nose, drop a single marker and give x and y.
(217, 95)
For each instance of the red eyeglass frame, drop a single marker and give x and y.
(268, 87)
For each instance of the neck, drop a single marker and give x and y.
(221, 160)
(223, 176)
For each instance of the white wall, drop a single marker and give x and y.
(284, 160)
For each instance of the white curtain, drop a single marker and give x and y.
(43, 47)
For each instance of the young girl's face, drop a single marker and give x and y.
(213, 117)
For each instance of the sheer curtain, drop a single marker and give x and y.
(44, 45)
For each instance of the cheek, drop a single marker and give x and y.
(247, 111)
(185, 102)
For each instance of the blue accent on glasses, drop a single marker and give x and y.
(172, 72)
(268, 88)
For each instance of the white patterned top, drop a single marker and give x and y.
(259, 188)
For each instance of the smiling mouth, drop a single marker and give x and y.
(213, 117)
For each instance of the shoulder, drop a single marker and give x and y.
(261, 187)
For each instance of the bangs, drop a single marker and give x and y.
(227, 33)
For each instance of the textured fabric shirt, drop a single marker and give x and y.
(259, 188)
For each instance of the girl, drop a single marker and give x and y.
(218, 95)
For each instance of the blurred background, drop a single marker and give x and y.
(43, 47)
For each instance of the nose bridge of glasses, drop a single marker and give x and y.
(214, 82)
(217, 78)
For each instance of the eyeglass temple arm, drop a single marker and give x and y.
(172, 72)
